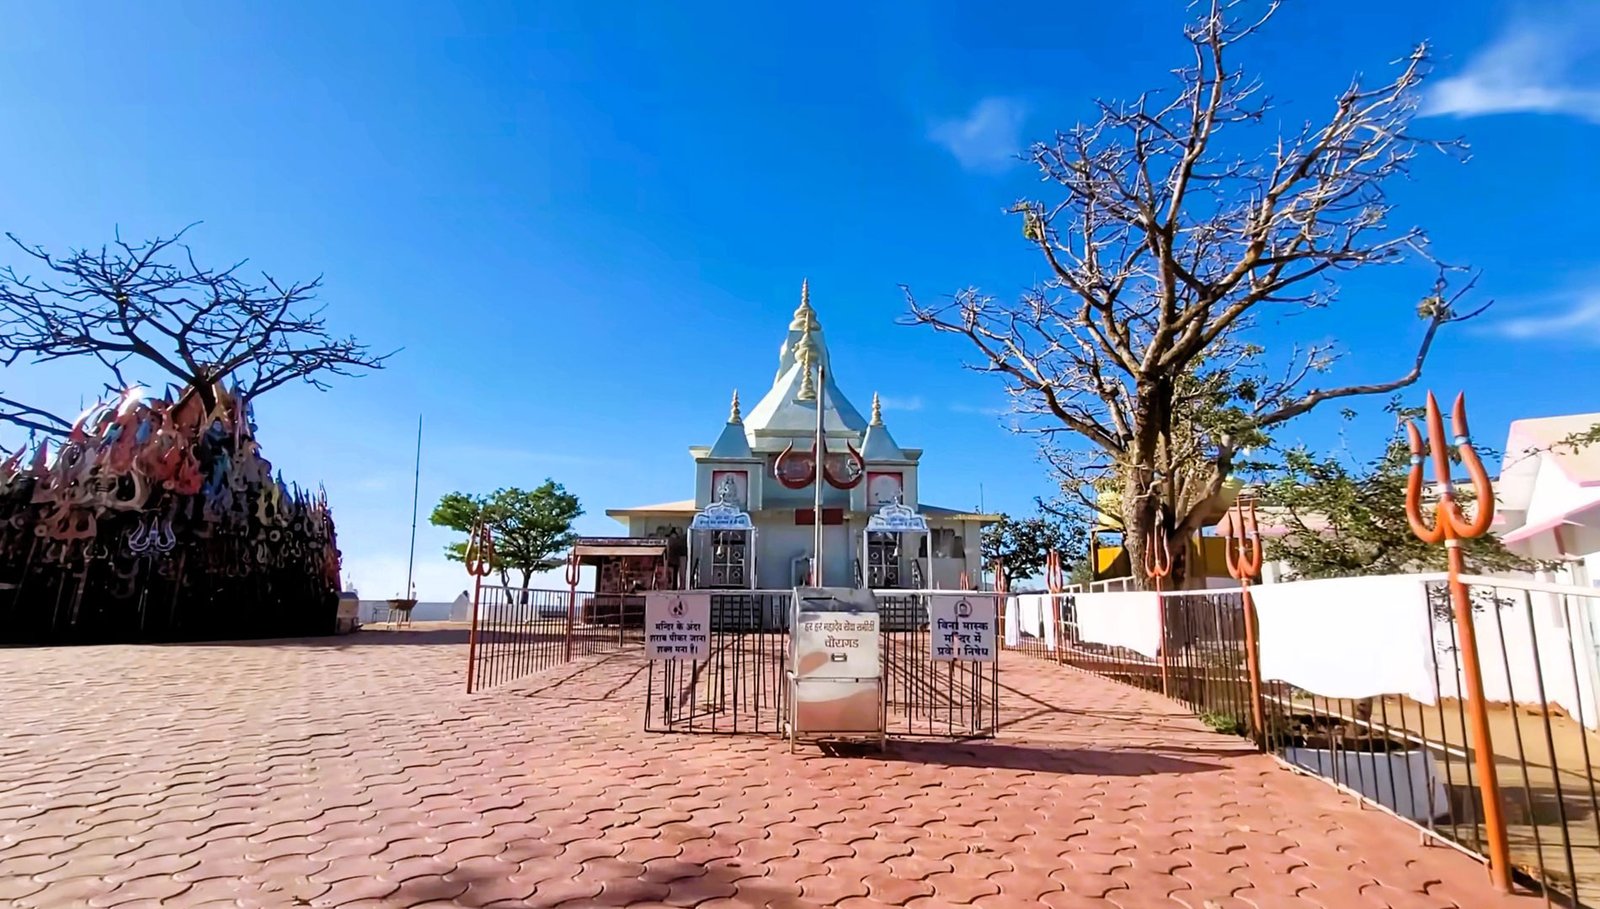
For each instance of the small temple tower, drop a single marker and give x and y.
(761, 470)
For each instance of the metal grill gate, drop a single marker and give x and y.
(743, 686)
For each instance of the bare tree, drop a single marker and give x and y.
(150, 306)
(1168, 238)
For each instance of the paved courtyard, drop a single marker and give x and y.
(355, 772)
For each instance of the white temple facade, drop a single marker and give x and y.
(745, 479)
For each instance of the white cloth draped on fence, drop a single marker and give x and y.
(1131, 620)
(1349, 637)
(1037, 618)
(1013, 623)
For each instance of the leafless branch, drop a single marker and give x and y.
(151, 305)
(1167, 238)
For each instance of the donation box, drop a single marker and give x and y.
(835, 671)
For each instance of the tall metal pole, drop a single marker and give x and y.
(416, 489)
(816, 512)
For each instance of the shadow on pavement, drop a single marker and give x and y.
(1043, 759)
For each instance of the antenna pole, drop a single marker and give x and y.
(416, 489)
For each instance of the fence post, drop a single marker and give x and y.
(1242, 546)
(479, 559)
(1158, 567)
(572, 602)
(1450, 527)
(1055, 581)
(1001, 585)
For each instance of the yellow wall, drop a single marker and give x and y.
(1207, 558)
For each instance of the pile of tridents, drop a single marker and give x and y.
(160, 518)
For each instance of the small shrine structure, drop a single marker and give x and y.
(751, 521)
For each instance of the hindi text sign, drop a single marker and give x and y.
(677, 626)
(963, 627)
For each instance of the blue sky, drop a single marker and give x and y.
(587, 223)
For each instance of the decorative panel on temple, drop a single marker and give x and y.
(731, 487)
(884, 488)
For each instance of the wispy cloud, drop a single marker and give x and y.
(1529, 68)
(891, 403)
(987, 138)
(980, 411)
(1579, 318)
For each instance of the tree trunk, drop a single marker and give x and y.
(1146, 510)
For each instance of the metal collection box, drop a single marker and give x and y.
(835, 668)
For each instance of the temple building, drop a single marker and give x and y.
(750, 523)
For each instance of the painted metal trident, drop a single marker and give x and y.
(1158, 567)
(1451, 526)
(479, 558)
(1242, 547)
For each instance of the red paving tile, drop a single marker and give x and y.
(356, 772)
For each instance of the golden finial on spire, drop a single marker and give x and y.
(805, 355)
(733, 413)
(804, 315)
(877, 410)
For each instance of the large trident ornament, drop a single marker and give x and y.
(1451, 526)
(479, 558)
(573, 568)
(1242, 546)
(1055, 580)
(1158, 567)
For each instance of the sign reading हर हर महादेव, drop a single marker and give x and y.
(963, 627)
(677, 626)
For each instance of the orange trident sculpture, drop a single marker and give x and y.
(1055, 580)
(1450, 527)
(479, 558)
(1158, 567)
(1242, 546)
(573, 569)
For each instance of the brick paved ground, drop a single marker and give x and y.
(353, 772)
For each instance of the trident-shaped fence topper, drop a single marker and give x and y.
(574, 567)
(1055, 580)
(479, 558)
(1158, 567)
(1242, 547)
(1451, 526)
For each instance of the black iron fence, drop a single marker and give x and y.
(928, 697)
(516, 632)
(1538, 648)
(742, 686)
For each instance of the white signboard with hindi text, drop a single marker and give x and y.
(677, 626)
(963, 627)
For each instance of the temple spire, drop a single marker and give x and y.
(877, 411)
(733, 411)
(804, 316)
(806, 356)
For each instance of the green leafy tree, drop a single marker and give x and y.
(1024, 545)
(532, 528)
(1346, 520)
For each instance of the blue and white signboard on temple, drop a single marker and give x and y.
(896, 517)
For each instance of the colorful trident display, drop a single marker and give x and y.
(161, 520)
(1451, 526)
(1158, 567)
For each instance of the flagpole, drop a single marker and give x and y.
(820, 450)
(416, 489)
